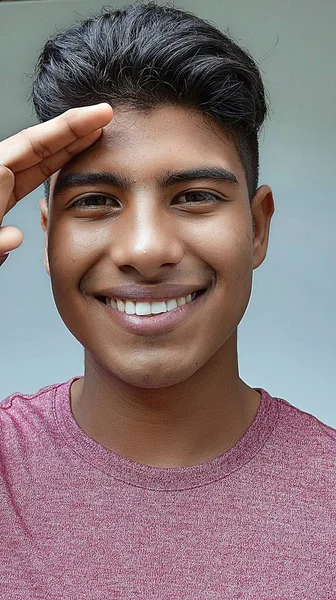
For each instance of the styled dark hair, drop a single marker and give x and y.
(146, 55)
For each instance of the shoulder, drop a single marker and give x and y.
(18, 398)
(20, 403)
(306, 447)
(31, 418)
(307, 427)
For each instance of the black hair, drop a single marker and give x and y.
(146, 55)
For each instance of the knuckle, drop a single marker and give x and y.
(70, 152)
(40, 150)
(7, 177)
(46, 169)
(68, 118)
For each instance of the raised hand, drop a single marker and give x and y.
(34, 154)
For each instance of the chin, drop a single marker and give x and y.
(154, 378)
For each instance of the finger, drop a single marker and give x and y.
(29, 179)
(32, 145)
(7, 182)
(10, 239)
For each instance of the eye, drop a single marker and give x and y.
(198, 197)
(94, 201)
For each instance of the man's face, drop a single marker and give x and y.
(145, 227)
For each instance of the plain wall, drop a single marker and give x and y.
(287, 337)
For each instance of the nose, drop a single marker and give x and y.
(146, 238)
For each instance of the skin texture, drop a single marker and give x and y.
(174, 399)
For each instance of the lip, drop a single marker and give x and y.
(150, 294)
(154, 324)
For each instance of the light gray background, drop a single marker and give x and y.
(287, 338)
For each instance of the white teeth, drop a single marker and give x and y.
(171, 304)
(143, 308)
(130, 307)
(158, 307)
(149, 308)
(121, 305)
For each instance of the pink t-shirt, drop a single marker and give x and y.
(79, 522)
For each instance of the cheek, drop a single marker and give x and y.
(73, 248)
(229, 252)
(227, 246)
(70, 258)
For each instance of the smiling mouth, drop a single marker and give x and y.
(146, 308)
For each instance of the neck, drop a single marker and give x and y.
(180, 425)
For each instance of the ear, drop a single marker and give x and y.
(262, 208)
(44, 224)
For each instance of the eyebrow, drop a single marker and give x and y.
(213, 173)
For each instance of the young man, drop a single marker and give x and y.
(159, 473)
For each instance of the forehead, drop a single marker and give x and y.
(167, 138)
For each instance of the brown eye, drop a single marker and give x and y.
(95, 201)
(198, 197)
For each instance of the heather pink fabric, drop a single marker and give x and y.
(80, 522)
